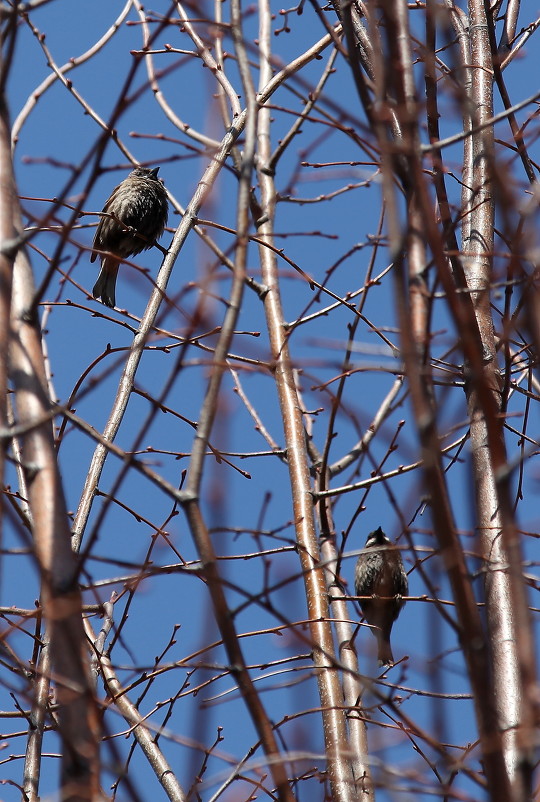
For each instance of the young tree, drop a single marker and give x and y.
(337, 332)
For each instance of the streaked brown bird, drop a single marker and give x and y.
(134, 217)
(381, 577)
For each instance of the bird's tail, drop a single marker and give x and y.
(386, 658)
(104, 288)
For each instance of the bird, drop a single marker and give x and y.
(380, 577)
(133, 218)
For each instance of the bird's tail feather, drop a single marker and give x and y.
(105, 286)
(386, 658)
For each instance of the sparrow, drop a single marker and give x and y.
(134, 217)
(380, 576)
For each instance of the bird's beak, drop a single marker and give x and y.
(155, 171)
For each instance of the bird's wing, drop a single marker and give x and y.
(103, 225)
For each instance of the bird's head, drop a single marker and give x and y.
(146, 172)
(376, 538)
